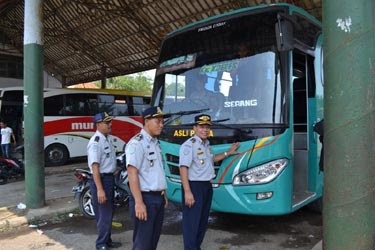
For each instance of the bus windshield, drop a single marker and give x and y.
(228, 69)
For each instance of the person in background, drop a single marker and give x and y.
(102, 163)
(197, 171)
(6, 134)
(200, 95)
(147, 181)
(319, 129)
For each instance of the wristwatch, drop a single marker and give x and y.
(226, 154)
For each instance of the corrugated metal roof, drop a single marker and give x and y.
(82, 37)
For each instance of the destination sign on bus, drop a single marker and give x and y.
(187, 132)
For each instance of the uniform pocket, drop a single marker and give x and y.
(152, 158)
(107, 152)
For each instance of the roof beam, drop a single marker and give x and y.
(90, 51)
(127, 12)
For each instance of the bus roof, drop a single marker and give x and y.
(112, 91)
(82, 90)
(292, 8)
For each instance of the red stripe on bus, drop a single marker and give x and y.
(122, 129)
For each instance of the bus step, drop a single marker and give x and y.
(301, 197)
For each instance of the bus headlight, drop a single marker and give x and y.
(261, 174)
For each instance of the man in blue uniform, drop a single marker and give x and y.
(147, 181)
(197, 171)
(102, 163)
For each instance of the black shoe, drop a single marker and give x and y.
(102, 248)
(114, 244)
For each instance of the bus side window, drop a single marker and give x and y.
(120, 106)
(54, 106)
(91, 103)
(139, 104)
(80, 104)
(105, 103)
(299, 104)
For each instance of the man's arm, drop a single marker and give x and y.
(98, 183)
(232, 151)
(189, 197)
(14, 138)
(140, 208)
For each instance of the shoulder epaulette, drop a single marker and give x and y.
(139, 137)
(97, 138)
(193, 140)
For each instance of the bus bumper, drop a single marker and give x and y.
(243, 199)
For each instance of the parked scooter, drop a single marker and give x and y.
(11, 168)
(82, 189)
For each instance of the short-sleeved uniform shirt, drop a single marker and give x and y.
(5, 135)
(100, 150)
(143, 152)
(197, 156)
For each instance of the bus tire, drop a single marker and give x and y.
(56, 155)
(316, 206)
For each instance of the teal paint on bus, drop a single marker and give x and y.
(244, 196)
(242, 199)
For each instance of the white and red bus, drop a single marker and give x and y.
(68, 117)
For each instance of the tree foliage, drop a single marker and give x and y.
(170, 89)
(137, 82)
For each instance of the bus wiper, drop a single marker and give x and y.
(182, 113)
(241, 130)
(213, 122)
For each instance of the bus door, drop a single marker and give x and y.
(303, 112)
(12, 112)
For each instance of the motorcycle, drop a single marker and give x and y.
(83, 193)
(11, 168)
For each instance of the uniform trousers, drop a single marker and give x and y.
(147, 233)
(103, 212)
(195, 218)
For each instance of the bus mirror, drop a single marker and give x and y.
(284, 34)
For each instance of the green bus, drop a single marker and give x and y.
(259, 74)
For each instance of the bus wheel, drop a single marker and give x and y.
(56, 155)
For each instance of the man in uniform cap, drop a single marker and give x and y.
(102, 163)
(147, 181)
(197, 171)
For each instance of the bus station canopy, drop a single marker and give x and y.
(86, 39)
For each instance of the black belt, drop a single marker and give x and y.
(153, 192)
(106, 174)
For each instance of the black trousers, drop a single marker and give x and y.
(146, 234)
(195, 218)
(103, 212)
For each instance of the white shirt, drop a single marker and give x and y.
(143, 152)
(101, 151)
(197, 156)
(5, 135)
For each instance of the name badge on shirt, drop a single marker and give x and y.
(151, 157)
(107, 151)
(201, 157)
